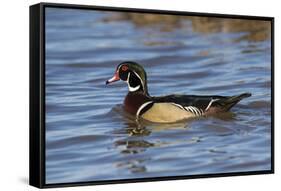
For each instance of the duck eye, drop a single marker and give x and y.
(124, 68)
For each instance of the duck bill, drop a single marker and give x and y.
(113, 79)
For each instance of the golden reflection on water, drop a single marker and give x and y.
(255, 30)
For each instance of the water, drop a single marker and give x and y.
(88, 135)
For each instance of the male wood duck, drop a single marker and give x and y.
(170, 108)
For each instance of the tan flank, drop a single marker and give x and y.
(166, 113)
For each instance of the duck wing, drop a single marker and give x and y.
(202, 104)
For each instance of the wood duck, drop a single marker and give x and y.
(170, 108)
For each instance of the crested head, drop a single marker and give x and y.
(132, 73)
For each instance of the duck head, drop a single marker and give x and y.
(132, 73)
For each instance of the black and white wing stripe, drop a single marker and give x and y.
(196, 111)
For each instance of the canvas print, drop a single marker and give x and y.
(146, 95)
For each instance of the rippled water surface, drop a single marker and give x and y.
(88, 135)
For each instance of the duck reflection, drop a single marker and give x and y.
(133, 146)
(135, 141)
(134, 166)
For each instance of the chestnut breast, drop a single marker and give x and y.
(134, 100)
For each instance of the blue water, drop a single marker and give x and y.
(88, 135)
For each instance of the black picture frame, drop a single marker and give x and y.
(37, 94)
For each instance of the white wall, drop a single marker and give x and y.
(14, 38)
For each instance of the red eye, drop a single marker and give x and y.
(124, 68)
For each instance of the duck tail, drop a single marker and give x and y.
(229, 102)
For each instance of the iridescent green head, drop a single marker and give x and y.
(133, 73)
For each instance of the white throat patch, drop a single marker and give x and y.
(131, 89)
(140, 80)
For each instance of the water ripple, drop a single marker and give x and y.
(90, 137)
